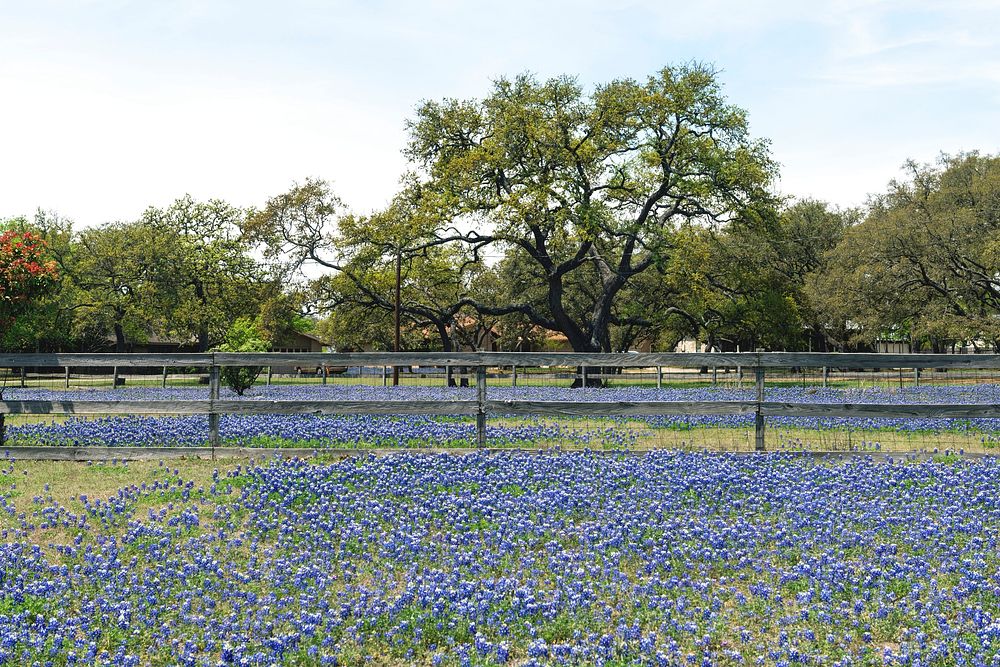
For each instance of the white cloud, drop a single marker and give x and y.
(884, 43)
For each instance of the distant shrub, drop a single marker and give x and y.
(243, 336)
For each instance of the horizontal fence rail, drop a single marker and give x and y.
(902, 410)
(476, 364)
(499, 359)
(619, 408)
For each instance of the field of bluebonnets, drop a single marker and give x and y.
(730, 431)
(502, 558)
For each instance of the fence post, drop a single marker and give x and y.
(513, 375)
(583, 376)
(739, 377)
(24, 376)
(916, 377)
(267, 382)
(213, 416)
(826, 375)
(67, 377)
(385, 376)
(114, 378)
(481, 406)
(715, 375)
(759, 417)
(659, 377)
(324, 373)
(164, 381)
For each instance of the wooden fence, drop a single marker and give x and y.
(756, 362)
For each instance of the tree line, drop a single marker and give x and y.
(639, 212)
(185, 273)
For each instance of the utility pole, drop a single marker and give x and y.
(399, 273)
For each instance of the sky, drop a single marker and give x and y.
(110, 106)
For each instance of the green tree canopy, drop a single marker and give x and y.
(185, 272)
(590, 188)
(925, 262)
(756, 278)
(112, 269)
(243, 335)
(204, 268)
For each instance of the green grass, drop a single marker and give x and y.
(34, 605)
(641, 436)
(66, 481)
(527, 377)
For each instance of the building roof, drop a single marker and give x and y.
(307, 336)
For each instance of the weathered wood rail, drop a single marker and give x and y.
(756, 363)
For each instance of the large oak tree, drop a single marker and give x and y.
(589, 188)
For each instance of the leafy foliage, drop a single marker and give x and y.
(183, 273)
(924, 263)
(243, 336)
(205, 269)
(26, 274)
(636, 213)
(756, 278)
(591, 189)
(113, 270)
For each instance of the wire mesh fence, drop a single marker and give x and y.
(706, 402)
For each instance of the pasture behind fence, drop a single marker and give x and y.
(70, 384)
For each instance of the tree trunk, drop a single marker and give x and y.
(119, 338)
(586, 345)
(575, 335)
(577, 338)
(592, 381)
(199, 291)
(600, 334)
(3, 420)
(446, 346)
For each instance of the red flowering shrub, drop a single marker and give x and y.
(25, 273)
